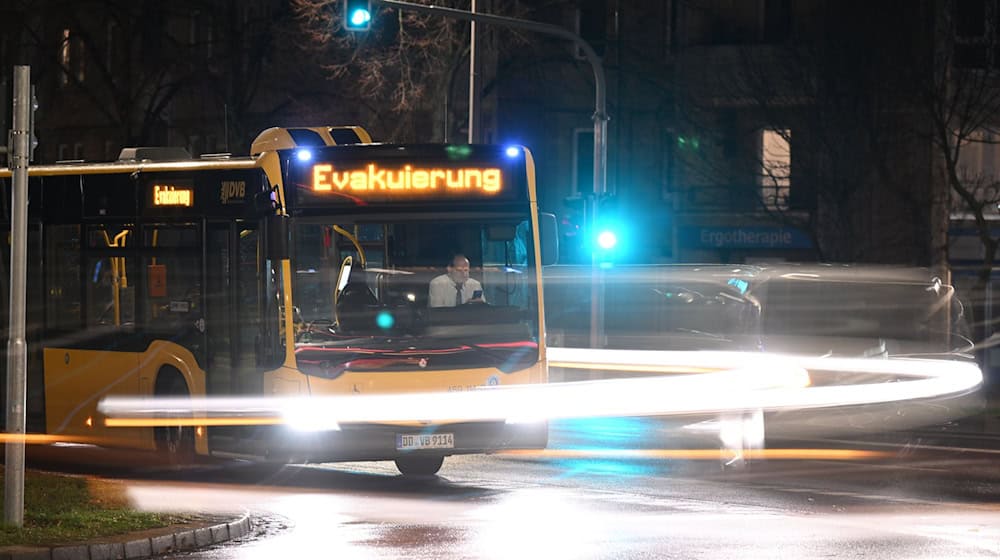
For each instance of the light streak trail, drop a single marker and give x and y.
(925, 378)
(720, 382)
(45, 439)
(624, 397)
(700, 454)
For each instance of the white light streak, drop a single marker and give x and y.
(728, 382)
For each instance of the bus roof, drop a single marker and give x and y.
(130, 166)
(272, 139)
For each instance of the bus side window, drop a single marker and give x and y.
(63, 308)
(172, 282)
(109, 276)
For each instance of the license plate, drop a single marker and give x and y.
(425, 441)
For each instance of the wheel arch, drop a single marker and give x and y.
(164, 361)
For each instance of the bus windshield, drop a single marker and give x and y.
(363, 297)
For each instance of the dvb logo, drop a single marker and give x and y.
(232, 192)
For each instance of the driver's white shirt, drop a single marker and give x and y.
(442, 291)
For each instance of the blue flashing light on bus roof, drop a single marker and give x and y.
(304, 155)
(512, 151)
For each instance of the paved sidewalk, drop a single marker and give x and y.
(142, 544)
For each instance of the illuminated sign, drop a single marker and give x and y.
(745, 237)
(408, 180)
(169, 195)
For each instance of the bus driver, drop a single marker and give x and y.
(455, 287)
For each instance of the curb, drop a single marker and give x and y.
(122, 549)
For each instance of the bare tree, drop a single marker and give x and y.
(247, 56)
(963, 107)
(404, 71)
(120, 58)
(395, 71)
(961, 102)
(137, 72)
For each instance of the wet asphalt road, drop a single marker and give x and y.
(923, 497)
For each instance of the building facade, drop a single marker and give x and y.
(740, 130)
(746, 131)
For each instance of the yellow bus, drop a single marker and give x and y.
(301, 270)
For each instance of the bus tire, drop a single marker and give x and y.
(419, 465)
(174, 443)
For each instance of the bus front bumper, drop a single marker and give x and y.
(380, 442)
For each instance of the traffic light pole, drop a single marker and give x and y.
(600, 122)
(475, 75)
(19, 152)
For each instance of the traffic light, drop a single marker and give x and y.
(357, 15)
(692, 143)
(607, 232)
(607, 239)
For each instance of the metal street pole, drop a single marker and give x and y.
(475, 76)
(13, 503)
(3, 116)
(600, 103)
(600, 121)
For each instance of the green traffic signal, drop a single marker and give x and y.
(357, 15)
(607, 239)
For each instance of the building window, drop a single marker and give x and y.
(979, 156)
(979, 166)
(81, 62)
(71, 58)
(200, 35)
(775, 178)
(64, 57)
(109, 47)
(195, 29)
(976, 33)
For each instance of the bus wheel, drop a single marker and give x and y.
(174, 443)
(420, 465)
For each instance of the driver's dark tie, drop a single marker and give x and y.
(458, 295)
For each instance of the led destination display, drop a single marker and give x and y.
(408, 180)
(407, 175)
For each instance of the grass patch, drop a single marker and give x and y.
(68, 509)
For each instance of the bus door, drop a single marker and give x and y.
(220, 310)
(233, 276)
(232, 311)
